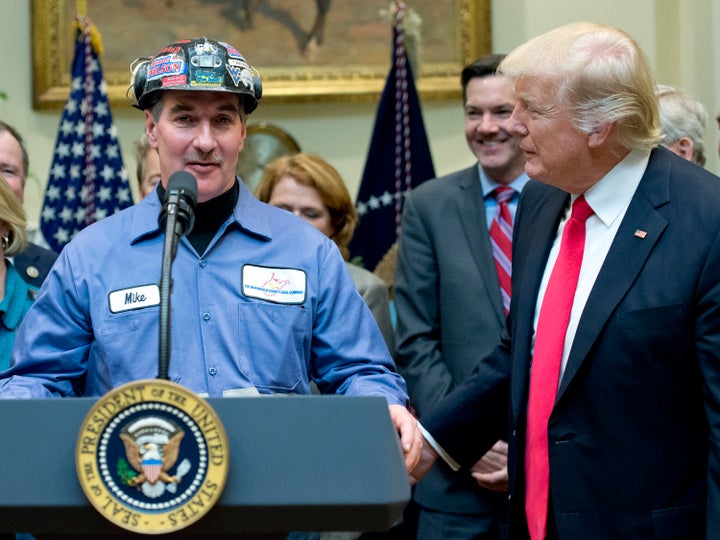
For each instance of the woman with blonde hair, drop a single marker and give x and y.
(16, 296)
(311, 188)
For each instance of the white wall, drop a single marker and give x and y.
(681, 39)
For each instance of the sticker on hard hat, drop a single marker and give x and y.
(162, 66)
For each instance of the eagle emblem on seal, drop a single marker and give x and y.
(152, 446)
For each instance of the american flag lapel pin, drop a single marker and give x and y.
(640, 234)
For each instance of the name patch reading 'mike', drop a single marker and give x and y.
(138, 297)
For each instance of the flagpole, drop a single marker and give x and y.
(399, 157)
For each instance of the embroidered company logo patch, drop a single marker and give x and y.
(152, 457)
(279, 285)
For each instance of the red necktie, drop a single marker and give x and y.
(547, 357)
(501, 240)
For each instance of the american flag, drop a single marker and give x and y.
(398, 159)
(87, 180)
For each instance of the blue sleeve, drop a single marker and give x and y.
(349, 354)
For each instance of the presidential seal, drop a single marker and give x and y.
(152, 457)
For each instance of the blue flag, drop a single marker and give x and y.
(398, 159)
(87, 180)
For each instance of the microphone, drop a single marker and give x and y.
(177, 216)
(180, 200)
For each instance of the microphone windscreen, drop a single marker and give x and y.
(183, 181)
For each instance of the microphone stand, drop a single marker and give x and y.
(169, 251)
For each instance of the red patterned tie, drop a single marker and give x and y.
(501, 240)
(547, 356)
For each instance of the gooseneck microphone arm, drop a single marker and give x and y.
(177, 215)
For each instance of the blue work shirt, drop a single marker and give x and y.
(269, 306)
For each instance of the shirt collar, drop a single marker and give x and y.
(246, 215)
(611, 195)
(488, 185)
(251, 215)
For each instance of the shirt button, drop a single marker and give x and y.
(212, 371)
(203, 263)
(206, 316)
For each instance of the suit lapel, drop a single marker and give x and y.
(542, 214)
(624, 261)
(472, 215)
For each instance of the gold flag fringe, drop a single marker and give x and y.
(83, 24)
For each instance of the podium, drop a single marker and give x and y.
(297, 463)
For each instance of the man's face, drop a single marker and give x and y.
(11, 163)
(556, 152)
(201, 133)
(488, 106)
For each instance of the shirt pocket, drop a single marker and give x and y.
(127, 346)
(275, 342)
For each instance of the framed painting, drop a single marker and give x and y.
(305, 50)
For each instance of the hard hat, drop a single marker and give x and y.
(194, 64)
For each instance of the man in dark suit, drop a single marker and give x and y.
(35, 261)
(449, 301)
(631, 444)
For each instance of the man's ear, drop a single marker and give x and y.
(685, 148)
(599, 134)
(150, 129)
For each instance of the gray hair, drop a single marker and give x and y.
(682, 116)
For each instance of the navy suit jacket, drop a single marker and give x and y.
(34, 263)
(634, 436)
(449, 314)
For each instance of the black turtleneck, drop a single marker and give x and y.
(209, 216)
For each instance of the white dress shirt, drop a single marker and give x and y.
(609, 198)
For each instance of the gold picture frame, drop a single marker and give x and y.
(447, 44)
